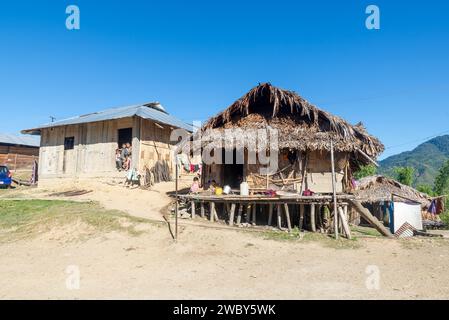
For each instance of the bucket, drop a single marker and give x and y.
(227, 190)
(218, 191)
(244, 189)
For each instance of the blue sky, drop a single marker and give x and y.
(197, 57)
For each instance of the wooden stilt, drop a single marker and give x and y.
(203, 213)
(270, 214)
(215, 214)
(239, 214)
(287, 216)
(248, 213)
(344, 223)
(212, 211)
(301, 216)
(279, 216)
(192, 209)
(253, 221)
(231, 215)
(312, 218)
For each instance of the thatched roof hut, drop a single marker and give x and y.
(301, 125)
(304, 133)
(376, 189)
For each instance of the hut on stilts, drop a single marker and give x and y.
(305, 188)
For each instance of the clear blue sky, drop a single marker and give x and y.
(198, 57)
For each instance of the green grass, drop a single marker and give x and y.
(323, 239)
(26, 218)
(365, 231)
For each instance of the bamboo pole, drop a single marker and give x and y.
(193, 209)
(287, 216)
(270, 214)
(334, 190)
(344, 223)
(301, 216)
(176, 202)
(212, 211)
(203, 214)
(279, 217)
(231, 214)
(253, 220)
(239, 214)
(312, 218)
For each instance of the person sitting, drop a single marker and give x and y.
(123, 152)
(129, 148)
(127, 163)
(118, 160)
(213, 186)
(195, 188)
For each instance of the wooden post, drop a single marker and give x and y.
(248, 213)
(270, 214)
(334, 190)
(287, 216)
(344, 223)
(301, 216)
(279, 216)
(370, 218)
(176, 202)
(231, 215)
(319, 219)
(203, 214)
(312, 218)
(193, 209)
(212, 211)
(239, 214)
(253, 222)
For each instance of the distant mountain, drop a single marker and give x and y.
(426, 159)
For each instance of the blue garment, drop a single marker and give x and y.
(433, 207)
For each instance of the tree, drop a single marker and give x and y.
(442, 180)
(365, 171)
(405, 175)
(426, 188)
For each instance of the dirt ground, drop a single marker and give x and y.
(211, 263)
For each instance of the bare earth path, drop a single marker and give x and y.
(216, 264)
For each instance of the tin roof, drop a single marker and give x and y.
(29, 141)
(152, 111)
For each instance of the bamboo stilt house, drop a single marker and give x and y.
(302, 148)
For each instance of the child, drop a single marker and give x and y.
(127, 163)
(129, 148)
(195, 188)
(118, 160)
(213, 186)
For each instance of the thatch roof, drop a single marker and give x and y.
(300, 125)
(379, 188)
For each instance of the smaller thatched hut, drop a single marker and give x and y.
(376, 189)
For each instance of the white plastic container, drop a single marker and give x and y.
(227, 190)
(244, 189)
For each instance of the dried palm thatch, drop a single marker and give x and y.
(299, 124)
(379, 188)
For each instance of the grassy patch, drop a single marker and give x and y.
(25, 218)
(365, 231)
(323, 239)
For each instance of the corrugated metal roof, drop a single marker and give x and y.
(152, 111)
(29, 141)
